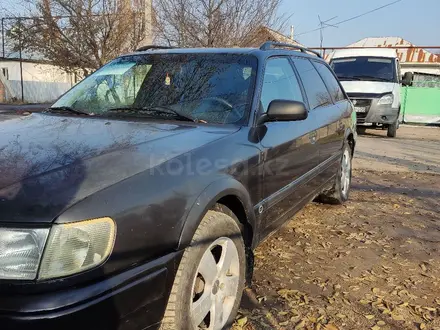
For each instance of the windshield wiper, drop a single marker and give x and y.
(69, 109)
(371, 78)
(158, 109)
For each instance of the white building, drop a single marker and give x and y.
(42, 82)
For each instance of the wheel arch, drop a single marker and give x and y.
(230, 193)
(350, 137)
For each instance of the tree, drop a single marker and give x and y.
(82, 34)
(214, 23)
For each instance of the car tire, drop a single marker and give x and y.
(340, 191)
(203, 280)
(392, 129)
(361, 129)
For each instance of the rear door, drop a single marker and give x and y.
(289, 148)
(324, 96)
(336, 118)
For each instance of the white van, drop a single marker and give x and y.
(371, 77)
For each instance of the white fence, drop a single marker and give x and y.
(38, 91)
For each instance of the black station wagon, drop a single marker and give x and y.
(136, 200)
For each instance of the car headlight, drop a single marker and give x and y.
(75, 247)
(386, 99)
(20, 252)
(63, 250)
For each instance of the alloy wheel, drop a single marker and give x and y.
(346, 172)
(215, 285)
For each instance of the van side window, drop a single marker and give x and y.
(280, 82)
(330, 80)
(316, 91)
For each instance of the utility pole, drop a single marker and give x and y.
(21, 59)
(3, 37)
(322, 25)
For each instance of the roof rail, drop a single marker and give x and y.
(269, 44)
(144, 48)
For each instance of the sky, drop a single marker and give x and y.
(417, 21)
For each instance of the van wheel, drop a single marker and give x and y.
(361, 129)
(340, 191)
(210, 280)
(392, 129)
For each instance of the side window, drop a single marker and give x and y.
(280, 82)
(316, 91)
(330, 80)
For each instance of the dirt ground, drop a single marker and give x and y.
(414, 149)
(373, 263)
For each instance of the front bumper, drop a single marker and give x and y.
(375, 113)
(133, 300)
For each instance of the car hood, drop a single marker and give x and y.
(48, 163)
(368, 87)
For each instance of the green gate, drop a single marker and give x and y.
(421, 102)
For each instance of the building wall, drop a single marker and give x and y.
(2, 92)
(429, 69)
(36, 72)
(41, 82)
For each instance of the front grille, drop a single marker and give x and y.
(362, 103)
(360, 116)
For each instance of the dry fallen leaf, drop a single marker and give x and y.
(242, 321)
(422, 326)
(300, 325)
(331, 327)
(380, 323)
(397, 317)
(369, 316)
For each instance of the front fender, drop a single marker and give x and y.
(208, 198)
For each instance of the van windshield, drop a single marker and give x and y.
(365, 68)
(211, 88)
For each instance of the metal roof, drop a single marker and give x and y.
(412, 54)
(374, 52)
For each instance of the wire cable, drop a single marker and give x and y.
(352, 18)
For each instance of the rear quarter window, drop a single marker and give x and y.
(330, 80)
(316, 91)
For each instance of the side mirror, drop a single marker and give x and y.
(407, 79)
(284, 110)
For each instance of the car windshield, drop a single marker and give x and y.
(365, 68)
(212, 88)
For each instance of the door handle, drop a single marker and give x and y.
(312, 137)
